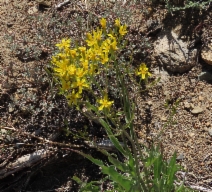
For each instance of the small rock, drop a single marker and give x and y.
(170, 135)
(11, 109)
(201, 98)
(8, 138)
(206, 75)
(187, 105)
(197, 110)
(149, 103)
(192, 105)
(207, 124)
(180, 157)
(191, 134)
(206, 54)
(163, 118)
(210, 132)
(3, 131)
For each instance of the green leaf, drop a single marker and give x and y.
(120, 179)
(113, 139)
(132, 166)
(95, 161)
(91, 107)
(119, 113)
(87, 187)
(158, 163)
(77, 179)
(172, 169)
(119, 165)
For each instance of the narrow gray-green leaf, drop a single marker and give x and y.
(120, 179)
(113, 139)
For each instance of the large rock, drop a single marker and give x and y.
(206, 54)
(172, 53)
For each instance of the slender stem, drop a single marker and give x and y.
(139, 180)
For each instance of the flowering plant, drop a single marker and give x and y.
(79, 70)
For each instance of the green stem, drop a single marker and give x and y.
(139, 180)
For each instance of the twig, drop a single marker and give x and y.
(42, 139)
(24, 161)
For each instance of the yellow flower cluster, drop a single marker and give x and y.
(76, 67)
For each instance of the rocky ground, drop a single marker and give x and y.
(176, 46)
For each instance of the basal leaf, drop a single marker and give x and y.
(117, 177)
(95, 161)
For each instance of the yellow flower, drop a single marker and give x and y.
(106, 45)
(73, 98)
(71, 70)
(111, 35)
(104, 103)
(117, 22)
(90, 40)
(80, 83)
(103, 23)
(85, 64)
(95, 38)
(73, 53)
(80, 72)
(54, 59)
(62, 67)
(123, 30)
(104, 58)
(92, 54)
(143, 71)
(65, 85)
(62, 56)
(97, 34)
(113, 44)
(93, 69)
(82, 49)
(65, 44)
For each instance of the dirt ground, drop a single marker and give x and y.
(30, 105)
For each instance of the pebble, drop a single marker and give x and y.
(163, 118)
(180, 157)
(149, 103)
(187, 105)
(201, 98)
(208, 124)
(191, 134)
(197, 110)
(210, 132)
(11, 109)
(8, 138)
